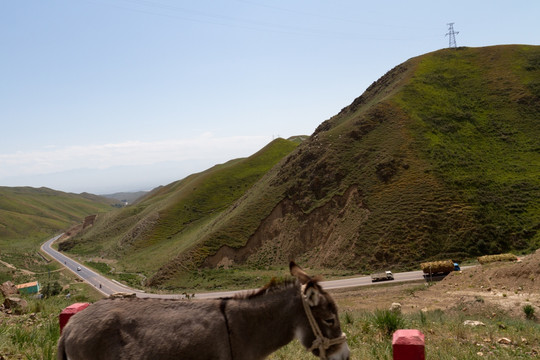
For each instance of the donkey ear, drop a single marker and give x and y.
(312, 293)
(300, 274)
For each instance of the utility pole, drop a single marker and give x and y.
(451, 36)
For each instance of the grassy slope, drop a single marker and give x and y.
(29, 216)
(456, 158)
(444, 151)
(32, 214)
(460, 146)
(170, 219)
(475, 115)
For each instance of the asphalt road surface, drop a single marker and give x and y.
(108, 287)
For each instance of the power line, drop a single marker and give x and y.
(451, 36)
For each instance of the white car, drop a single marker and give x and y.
(78, 268)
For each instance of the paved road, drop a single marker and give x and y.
(108, 287)
(101, 283)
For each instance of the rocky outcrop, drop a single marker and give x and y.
(8, 288)
(15, 305)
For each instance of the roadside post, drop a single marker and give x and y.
(408, 344)
(68, 312)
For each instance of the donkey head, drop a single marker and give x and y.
(323, 335)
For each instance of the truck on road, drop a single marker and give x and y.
(382, 276)
(438, 269)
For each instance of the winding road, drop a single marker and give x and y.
(108, 287)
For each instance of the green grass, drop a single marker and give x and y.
(34, 334)
(32, 214)
(103, 268)
(134, 280)
(529, 311)
(387, 322)
(445, 335)
(473, 115)
(216, 192)
(29, 266)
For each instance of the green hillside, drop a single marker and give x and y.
(29, 216)
(440, 158)
(476, 114)
(169, 220)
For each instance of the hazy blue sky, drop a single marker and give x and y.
(109, 95)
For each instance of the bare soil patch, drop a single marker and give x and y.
(506, 287)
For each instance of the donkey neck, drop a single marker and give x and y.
(262, 323)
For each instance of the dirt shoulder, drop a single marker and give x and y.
(505, 286)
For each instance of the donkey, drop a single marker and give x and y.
(249, 326)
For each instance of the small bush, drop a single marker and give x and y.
(99, 266)
(348, 319)
(529, 311)
(388, 321)
(423, 318)
(51, 289)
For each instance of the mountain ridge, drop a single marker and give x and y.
(412, 223)
(439, 158)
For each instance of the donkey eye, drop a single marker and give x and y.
(329, 322)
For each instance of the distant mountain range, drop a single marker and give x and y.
(126, 197)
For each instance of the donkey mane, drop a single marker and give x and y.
(273, 286)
